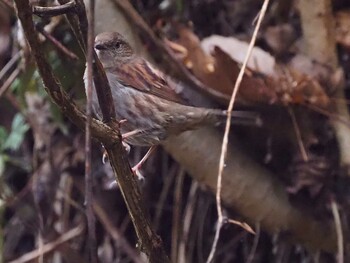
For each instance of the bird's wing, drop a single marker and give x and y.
(141, 75)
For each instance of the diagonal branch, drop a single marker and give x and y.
(150, 243)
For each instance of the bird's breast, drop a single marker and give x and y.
(140, 109)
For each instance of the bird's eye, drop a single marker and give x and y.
(100, 47)
(118, 45)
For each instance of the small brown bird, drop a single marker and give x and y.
(146, 98)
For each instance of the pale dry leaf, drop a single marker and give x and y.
(219, 71)
(260, 60)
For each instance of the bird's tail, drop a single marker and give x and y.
(238, 117)
(245, 118)
(197, 117)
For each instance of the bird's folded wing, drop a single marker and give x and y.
(141, 75)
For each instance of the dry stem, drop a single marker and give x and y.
(227, 130)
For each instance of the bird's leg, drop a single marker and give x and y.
(131, 133)
(125, 145)
(136, 168)
(105, 155)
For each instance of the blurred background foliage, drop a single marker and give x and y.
(42, 153)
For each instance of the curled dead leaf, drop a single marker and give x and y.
(216, 62)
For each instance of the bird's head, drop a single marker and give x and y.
(112, 49)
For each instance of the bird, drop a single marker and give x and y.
(146, 100)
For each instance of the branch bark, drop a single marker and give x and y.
(150, 243)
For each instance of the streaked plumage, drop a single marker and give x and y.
(145, 97)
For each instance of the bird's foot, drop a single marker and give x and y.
(137, 173)
(136, 169)
(126, 147)
(105, 154)
(121, 122)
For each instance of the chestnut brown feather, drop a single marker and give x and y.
(146, 98)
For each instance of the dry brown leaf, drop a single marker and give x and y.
(219, 71)
(298, 88)
(281, 84)
(201, 62)
(260, 60)
(253, 87)
(215, 61)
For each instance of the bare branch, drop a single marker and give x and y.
(44, 11)
(224, 146)
(54, 41)
(88, 174)
(50, 246)
(150, 243)
(338, 227)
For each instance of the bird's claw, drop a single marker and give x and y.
(138, 174)
(126, 147)
(104, 157)
(112, 185)
(121, 122)
(105, 154)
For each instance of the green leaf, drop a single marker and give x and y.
(3, 137)
(3, 160)
(18, 130)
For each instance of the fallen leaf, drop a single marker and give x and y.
(260, 60)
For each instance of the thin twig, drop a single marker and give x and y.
(176, 214)
(10, 80)
(168, 180)
(227, 130)
(333, 116)
(255, 243)
(338, 228)
(9, 64)
(243, 225)
(43, 11)
(88, 174)
(298, 134)
(41, 247)
(116, 233)
(50, 246)
(56, 43)
(187, 219)
(68, 199)
(14, 102)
